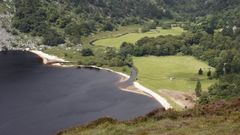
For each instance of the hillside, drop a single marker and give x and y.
(219, 118)
(209, 14)
(59, 21)
(194, 8)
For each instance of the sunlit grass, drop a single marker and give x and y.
(110, 34)
(156, 72)
(134, 37)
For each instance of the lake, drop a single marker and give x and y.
(37, 99)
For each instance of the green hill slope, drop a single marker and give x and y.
(219, 118)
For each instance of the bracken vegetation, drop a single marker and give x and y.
(220, 118)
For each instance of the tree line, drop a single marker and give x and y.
(105, 57)
(219, 50)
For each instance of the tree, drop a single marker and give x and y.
(166, 26)
(126, 49)
(110, 53)
(87, 52)
(209, 74)
(227, 88)
(198, 89)
(228, 31)
(108, 27)
(53, 38)
(29, 15)
(236, 63)
(200, 71)
(145, 29)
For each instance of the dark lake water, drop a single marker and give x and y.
(36, 99)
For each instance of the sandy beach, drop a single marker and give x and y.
(136, 88)
(48, 59)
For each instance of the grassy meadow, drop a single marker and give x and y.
(110, 34)
(134, 37)
(156, 72)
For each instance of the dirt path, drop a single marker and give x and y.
(183, 99)
(159, 98)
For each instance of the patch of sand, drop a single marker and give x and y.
(183, 99)
(48, 59)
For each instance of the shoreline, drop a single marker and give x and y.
(56, 61)
(48, 59)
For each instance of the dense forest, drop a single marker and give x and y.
(76, 18)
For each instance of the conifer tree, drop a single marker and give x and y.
(198, 89)
(200, 71)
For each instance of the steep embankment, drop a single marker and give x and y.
(220, 118)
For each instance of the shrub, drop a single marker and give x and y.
(166, 26)
(53, 39)
(87, 52)
(204, 98)
(200, 71)
(108, 27)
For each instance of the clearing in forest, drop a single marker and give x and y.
(172, 72)
(134, 37)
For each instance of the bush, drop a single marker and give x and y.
(87, 52)
(147, 27)
(166, 26)
(14, 32)
(53, 39)
(204, 98)
(209, 74)
(126, 49)
(200, 71)
(108, 27)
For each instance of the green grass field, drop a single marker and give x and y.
(155, 72)
(134, 37)
(110, 34)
